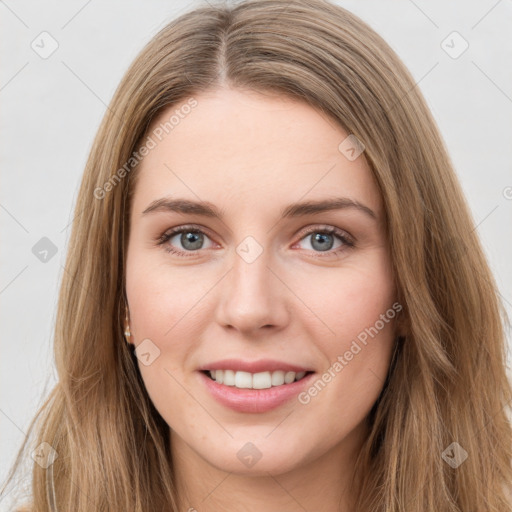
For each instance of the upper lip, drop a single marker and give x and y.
(261, 365)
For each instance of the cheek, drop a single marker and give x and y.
(166, 308)
(358, 311)
(352, 298)
(356, 362)
(161, 314)
(159, 299)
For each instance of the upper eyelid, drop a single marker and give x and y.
(187, 227)
(325, 227)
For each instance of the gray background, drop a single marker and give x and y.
(52, 107)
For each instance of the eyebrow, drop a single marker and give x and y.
(207, 209)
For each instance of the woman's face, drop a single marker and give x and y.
(262, 282)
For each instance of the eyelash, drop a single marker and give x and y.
(348, 242)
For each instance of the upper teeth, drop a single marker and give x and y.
(262, 380)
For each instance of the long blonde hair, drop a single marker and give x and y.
(447, 383)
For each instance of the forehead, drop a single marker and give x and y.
(250, 150)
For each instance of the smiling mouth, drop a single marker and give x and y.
(260, 380)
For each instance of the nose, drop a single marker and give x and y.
(252, 296)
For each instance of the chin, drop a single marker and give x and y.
(251, 458)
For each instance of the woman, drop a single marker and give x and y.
(275, 298)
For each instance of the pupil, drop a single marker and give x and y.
(321, 239)
(193, 238)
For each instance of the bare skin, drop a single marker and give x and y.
(252, 155)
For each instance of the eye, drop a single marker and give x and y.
(190, 238)
(323, 239)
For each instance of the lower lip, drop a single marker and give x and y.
(254, 400)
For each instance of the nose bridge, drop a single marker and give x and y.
(251, 267)
(252, 296)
